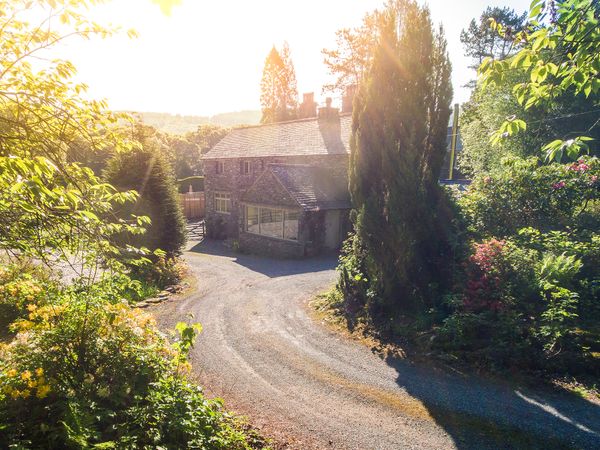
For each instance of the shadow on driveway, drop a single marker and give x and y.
(270, 267)
(481, 414)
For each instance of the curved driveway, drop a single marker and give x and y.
(301, 382)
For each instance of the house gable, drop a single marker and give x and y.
(268, 190)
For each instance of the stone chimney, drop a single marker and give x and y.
(348, 98)
(328, 113)
(308, 107)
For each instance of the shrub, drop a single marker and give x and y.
(497, 295)
(527, 302)
(23, 285)
(524, 194)
(86, 372)
(161, 272)
(147, 171)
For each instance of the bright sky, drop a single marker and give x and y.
(207, 56)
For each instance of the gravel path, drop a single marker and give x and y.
(312, 388)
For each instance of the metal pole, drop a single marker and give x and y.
(453, 140)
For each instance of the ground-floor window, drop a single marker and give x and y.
(272, 222)
(223, 202)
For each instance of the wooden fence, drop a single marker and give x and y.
(192, 204)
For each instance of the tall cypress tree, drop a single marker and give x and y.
(397, 149)
(278, 90)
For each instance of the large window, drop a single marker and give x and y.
(272, 222)
(223, 202)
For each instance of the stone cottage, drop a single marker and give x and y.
(282, 188)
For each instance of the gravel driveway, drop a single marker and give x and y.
(311, 388)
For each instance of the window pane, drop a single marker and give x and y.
(290, 230)
(252, 219)
(271, 222)
(223, 202)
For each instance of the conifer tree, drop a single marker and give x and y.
(397, 148)
(146, 169)
(278, 88)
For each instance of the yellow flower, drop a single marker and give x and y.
(12, 373)
(15, 394)
(42, 391)
(25, 393)
(39, 371)
(26, 375)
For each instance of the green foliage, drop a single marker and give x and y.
(543, 280)
(481, 42)
(560, 53)
(278, 89)
(146, 170)
(525, 305)
(494, 111)
(65, 210)
(349, 62)
(84, 371)
(522, 193)
(397, 149)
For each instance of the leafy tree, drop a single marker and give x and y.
(481, 42)
(146, 170)
(397, 149)
(487, 109)
(560, 54)
(50, 207)
(185, 152)
(278, 90)
(350, 60)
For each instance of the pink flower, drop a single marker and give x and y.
(579, 166)
(559, 185)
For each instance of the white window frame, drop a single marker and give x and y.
(284, 212)
(219, 197)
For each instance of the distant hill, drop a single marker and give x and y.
(180, 124)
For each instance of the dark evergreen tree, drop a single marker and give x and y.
(398, 145)
(278, 90)
(146, 169)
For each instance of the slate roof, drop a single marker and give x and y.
(314, 188)
(294, 138)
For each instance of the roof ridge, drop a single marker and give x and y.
(260, 125)
(304, 119)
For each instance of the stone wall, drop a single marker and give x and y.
(267, 246)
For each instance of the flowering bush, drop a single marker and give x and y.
(529, 301)
(23, 284)
(83, 371)
(496, 274)
(522, 193)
